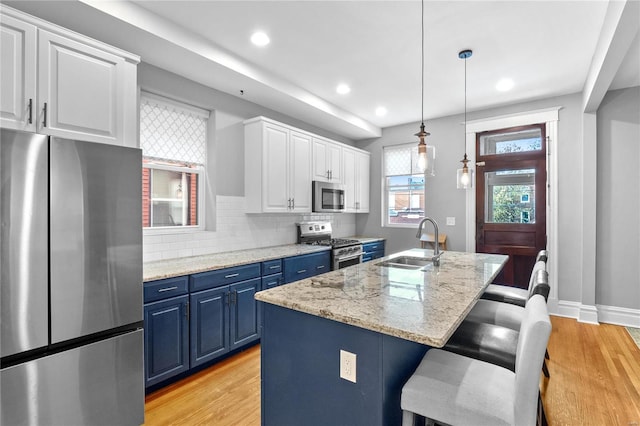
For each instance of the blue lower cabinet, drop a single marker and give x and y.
(166, 339)
(373, 251)
(223, 319)
(209, 324)
(244, 326)
(306, 265)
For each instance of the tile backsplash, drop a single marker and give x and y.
(236, 230)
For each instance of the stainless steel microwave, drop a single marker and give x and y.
(328, 197)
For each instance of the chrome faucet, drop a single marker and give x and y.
(436, 251)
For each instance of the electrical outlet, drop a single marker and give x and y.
(347, 366)
(451, 221)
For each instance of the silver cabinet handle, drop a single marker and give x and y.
(293, 203)
(274, 267)
(302, 271)
(44, 118)
(320, 267)
(328, 171)
(231, 275)
(167, 289)
(330, 174)
(30, 110)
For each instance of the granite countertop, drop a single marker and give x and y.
(190, 265)
(424, 307)
(365, 240)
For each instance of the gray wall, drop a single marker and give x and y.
(618, 195)
(443, 199)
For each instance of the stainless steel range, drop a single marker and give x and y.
(345, 252)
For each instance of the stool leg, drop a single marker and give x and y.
(545, 370)
(542, 418)
(407, 418)
(546, 354)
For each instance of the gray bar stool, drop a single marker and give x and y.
(513, 295)
(496, 343)
(456, 390)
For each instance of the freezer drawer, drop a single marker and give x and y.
(97, 384)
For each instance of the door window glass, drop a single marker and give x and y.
(510, 196)
(517, 141)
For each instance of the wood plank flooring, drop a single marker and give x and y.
(595, 380)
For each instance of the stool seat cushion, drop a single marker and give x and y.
(498, 313)
(445, 387)
(506, 294)
(486, 342)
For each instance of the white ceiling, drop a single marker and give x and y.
(373, 46)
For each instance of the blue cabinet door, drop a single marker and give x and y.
(243, 309)
(209, 324)
(307, 265)
(166, 339)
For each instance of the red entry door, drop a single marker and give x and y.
(511, 198)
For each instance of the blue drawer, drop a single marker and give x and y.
(220, 277)
(271, 267)
(163, 289)
(271, 281)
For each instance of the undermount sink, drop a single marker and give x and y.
(407, 262)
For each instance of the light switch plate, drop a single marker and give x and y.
(348, 366)
(451, 221)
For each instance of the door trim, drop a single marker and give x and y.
(550, 117)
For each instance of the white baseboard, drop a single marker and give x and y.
(595, 314)
(619, 316)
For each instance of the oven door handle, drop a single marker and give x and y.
(349, 257)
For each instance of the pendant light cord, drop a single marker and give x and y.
(464, 140)
(422, 70)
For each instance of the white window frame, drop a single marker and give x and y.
(385, 190)
(199, 170)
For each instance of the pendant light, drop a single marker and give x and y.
(423, 157)
(464, 175)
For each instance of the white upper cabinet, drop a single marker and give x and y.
(62, 84)
(356, 180)
(277, 168)
(327, 161)
(17, 74)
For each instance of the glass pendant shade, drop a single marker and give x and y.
(464, 176)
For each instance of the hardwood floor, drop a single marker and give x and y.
(595, 380)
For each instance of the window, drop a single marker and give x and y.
(403, 186)
(173, 138)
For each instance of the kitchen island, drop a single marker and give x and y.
(387, 316)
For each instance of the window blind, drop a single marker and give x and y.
(173, 131)
(400, 160)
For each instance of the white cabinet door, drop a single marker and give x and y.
(300, 171)
(349, 180)
(320, 166)
(80, 90)
(327, 161)
(334, 160)
(17, 74)
(356, 181)
(275, 190)
(363, 182)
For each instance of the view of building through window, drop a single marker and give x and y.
(406, 199)
(169, 196)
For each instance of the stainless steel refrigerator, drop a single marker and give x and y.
(71, 282)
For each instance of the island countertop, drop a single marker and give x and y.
(424, 306)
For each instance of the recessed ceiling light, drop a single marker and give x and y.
(504, 85)
(260, 39)
(380, 111)
(343, 89)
